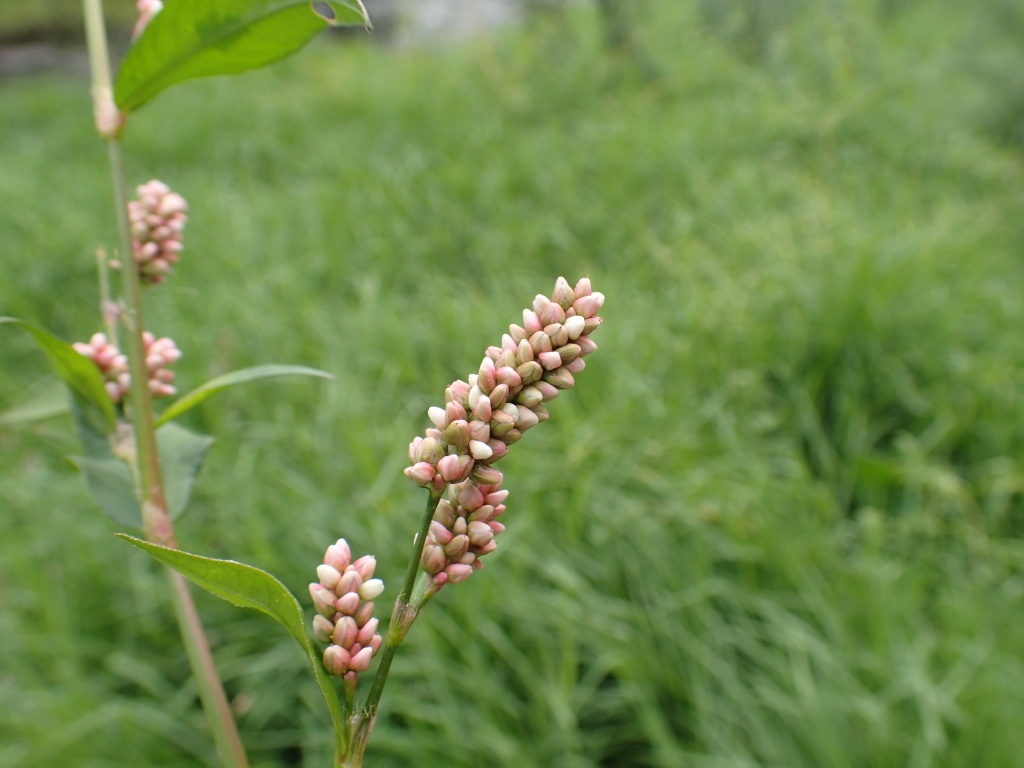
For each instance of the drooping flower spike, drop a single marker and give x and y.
(485, 415)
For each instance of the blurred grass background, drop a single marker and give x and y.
(778, 523)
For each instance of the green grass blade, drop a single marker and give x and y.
(213, 386)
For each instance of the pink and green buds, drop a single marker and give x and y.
(158, 218)
(114, 366)
(489, 412)
(343, 599)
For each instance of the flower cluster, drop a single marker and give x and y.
(157, 218)
(114, 365)
(483, 416)
(343, 599)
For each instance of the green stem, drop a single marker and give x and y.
(360, 723)
(152, 500)
(405, 610)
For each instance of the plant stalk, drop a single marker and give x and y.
(405, 609)
(155, 517)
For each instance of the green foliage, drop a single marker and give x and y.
(82, 378)
(779, 522)
(249, 587)
(228, 380)
(195, 38)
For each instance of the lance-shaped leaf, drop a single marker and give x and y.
(249, 587)
(213, 386)
(199, 38)
(80, 374)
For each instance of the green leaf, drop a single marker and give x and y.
(181, 456)
(80, 374)
(200, 38)
(249, 587)
(110, 483)
(213, 386)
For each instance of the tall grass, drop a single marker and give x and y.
(777, 524)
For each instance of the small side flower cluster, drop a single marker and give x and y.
(157, 218)
(483, 416)
(343, 599)
(114, 365)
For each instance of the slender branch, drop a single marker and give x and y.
(150, 488)
(405, 611)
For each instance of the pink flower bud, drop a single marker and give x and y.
(552, 314)
(351, 581)
(559, 378)
(360, 662)
(547, 390)
(530, 397)
(470, 497)
(323, 600)
(563, 294)
(541, 342)
(328, 575)
(531, 323)
(371, 589)
(421, 474)
(345, 631)
(438, 416)
(517, 332)
(525, 352)
(574, 327)
(348, 603)
(582, 287)
(457, 547)
(530, 372)
(482, 409)
(336, 660)
(365, 613)
(322, 629)
(457, 434)
(588, 306)
(338, 555)
(499, 395)
(440, 534)
(458, 572)
(586, 345)
(367, 631)
(455, 412)
(550, 360)
(480, 450)
(576, 365)
(480, 533)
(365, 566)
(486, 475)
(557, 333)
(433, 560)
(479, 430)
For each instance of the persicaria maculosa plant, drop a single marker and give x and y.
(139, 465)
